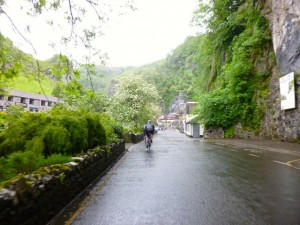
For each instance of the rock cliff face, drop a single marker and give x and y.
(178, 103)
(284, 16)
(285, 24)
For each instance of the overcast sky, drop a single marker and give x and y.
(151, 32)
(139, 37)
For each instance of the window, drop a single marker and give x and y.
(49, 103)
(43, 103)
(23, 100)
(10, 98)
(31, 101)
(1, 97)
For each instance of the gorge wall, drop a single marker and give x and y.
(284, 17)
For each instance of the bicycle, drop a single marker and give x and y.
(148, 141)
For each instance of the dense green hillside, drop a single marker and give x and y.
(23, 83)
(22, 72)
(101, 77)
(178, 72)
(227, 69)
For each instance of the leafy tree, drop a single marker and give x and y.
(10, 63)
(134, 102)
(216, 111)
(177, 73)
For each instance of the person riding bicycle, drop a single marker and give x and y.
(149, 130)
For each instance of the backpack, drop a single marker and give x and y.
(149, 127)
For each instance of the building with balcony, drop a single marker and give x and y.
(29, 101)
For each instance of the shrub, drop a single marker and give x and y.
(27, 162)
(56, 139)
(96, 132)
(14, 111)
(65, 134)
(78, 131)
(61, 131)
(20, 131)
(20, 162)
(229, 132)
(118, 130)
(54, 159)
(3, 122)
(106, 122)
(215, 110)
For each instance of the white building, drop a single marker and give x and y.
(191, 126)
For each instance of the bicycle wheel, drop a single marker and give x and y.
(148, 143)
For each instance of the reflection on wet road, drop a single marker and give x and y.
(186, 181)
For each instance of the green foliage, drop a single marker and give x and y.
(133, 102)
(34, 140)
(174, 74)
(27, 162)
(19, 162)
(19, 69)
(20, 131)
(57, 139)
(97, 134)
(61, 131)
(91, 101)
(3, 122)
(99, 78)
(215, 110)
(10, 65)
(14, 112)
(229, 132)
(233, 64)
(29, 84)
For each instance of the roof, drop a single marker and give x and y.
(23, 94)
(191, 119)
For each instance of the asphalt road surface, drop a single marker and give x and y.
(183, 180)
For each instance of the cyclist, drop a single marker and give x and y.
(148, 131)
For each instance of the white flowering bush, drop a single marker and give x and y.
(135, 102)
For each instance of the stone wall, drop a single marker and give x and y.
(36, 198)
(134, 138)
(284, 17)
(280, 124)
(213, 133)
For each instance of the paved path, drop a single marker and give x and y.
(194, 181)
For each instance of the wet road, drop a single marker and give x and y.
(187, 181)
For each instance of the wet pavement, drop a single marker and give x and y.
(194, 181)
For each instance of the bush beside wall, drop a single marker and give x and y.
(36, 198)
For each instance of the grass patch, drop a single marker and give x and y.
(23, 83)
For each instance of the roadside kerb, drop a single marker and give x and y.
(242, 145)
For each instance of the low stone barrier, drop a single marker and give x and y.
(36, 198)
(136, 138)
(213, 133)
